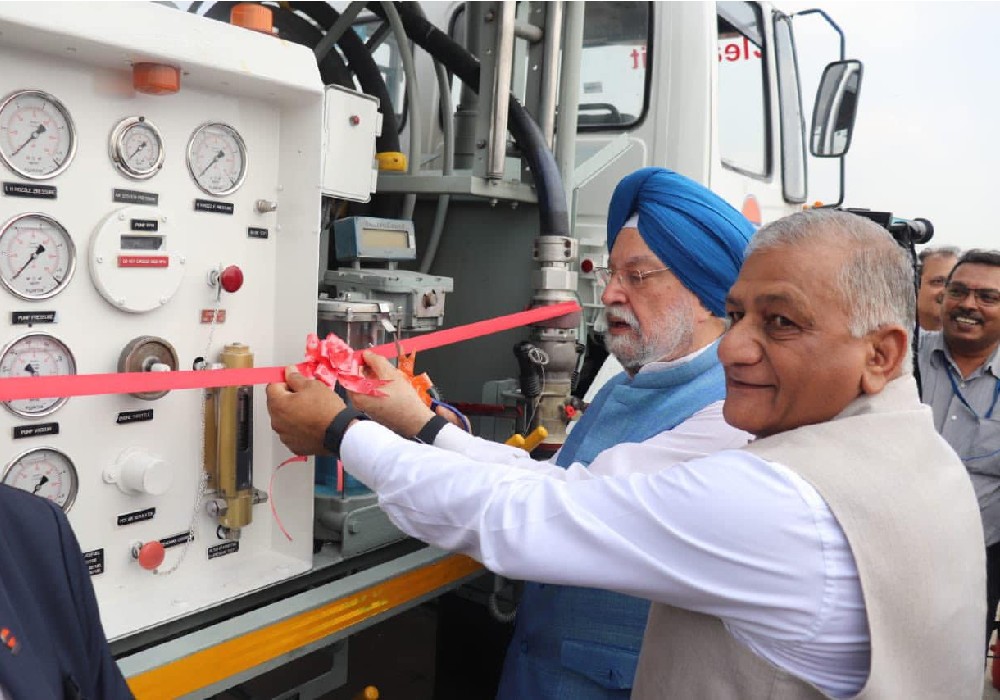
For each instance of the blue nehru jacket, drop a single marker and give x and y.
(578, 643)
(53, 644)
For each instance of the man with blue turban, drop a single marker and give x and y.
(676, 249)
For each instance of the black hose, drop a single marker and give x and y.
(553, 215)
(363, 65)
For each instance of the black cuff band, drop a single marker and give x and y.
(431, 429)
(338, 426)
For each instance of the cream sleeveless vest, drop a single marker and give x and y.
(907, 507)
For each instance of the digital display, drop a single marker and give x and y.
(383, 239)
(142, 242)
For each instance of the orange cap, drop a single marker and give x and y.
(156, 78)
(252, 16)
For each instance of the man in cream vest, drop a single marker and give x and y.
(838, 555)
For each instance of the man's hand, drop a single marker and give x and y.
(401, 409)
(301, 410)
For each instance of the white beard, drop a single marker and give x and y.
(669, 339)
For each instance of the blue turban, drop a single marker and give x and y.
(700, 237)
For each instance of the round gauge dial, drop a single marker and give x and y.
(136, 148)
(217, 158)
(37, 256)
(45, 472)
(37, 136)
(36, 355)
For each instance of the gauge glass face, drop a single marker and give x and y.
(37, 256)
(45, 472)
(36, 355)
(37, 137)
(136, 148)
(217, 159)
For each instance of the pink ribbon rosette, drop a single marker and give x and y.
(332, 360)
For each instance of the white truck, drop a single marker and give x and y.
(184, 196)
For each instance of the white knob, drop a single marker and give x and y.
(142, 472)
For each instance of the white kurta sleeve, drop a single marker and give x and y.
(726, 535)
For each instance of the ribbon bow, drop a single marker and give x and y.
(332, 360)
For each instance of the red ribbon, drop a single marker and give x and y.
(14, 388)
(332, 360)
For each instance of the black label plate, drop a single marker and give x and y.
(23, 431)
(95, 561)
(260, 233)
(221, 550)
(136, 516)
(214, 207)
(175, 540)
(134, 197)
(27, 318)
(20, 189)
(144, 224)
(135, 416)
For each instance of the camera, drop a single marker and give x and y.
(906, 231)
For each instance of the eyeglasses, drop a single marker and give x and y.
(630, 279)
(985, 296)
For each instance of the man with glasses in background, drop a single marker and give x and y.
(960, 372)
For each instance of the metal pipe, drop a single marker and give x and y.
(529, 32)
(500, 98)
(342, 24)
(550, 70)
(446, 169)
(413, 102)
(569, 88)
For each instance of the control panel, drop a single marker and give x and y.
(152, 224)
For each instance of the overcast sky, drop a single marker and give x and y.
(925, 142)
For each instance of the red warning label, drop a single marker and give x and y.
(143, 261)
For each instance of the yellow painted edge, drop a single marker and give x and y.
(234, 656)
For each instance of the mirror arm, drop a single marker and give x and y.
(829, 20)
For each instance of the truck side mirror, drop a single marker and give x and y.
(836, 108)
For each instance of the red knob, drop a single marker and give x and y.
(586, 265)
(150, 555)
(570, 411)
(231, 279)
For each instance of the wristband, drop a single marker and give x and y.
(431, 429)
(338, 426)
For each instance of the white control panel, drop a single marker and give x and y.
(140, 232)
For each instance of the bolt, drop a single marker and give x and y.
(163, 300)
(100, 259)
(489, 16)
(494, 201)
(481, 143)
(163, 219)
(352, 528)
(182, 260)
(120, 302)
(121, 216)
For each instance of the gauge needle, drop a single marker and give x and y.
(34, 135)
(30, 370)
(141, 146)
(218, 155)
(38, 251)
(41, 482)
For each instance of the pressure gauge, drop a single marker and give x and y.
(36, 355)
(136, 148)
(37, 136)
(37, 256)
(217, 158)
(45, 472)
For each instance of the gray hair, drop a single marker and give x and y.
(941, 251)
(876, 281)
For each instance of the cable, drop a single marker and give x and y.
(447, 126)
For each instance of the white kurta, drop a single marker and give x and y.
(729, 535)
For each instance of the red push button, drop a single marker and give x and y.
(150, 555)
(231, 279)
